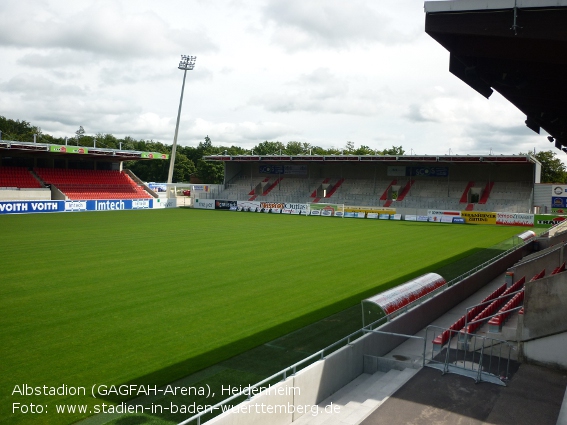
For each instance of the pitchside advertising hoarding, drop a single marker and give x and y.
(481, 217)
(30, 207)
(327, 210)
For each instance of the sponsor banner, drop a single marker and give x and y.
(558, 203)
(68, 149)
(479, 217)
(384, 216)
(458, 220)
(224, 205)
(377, 210)
(283, 169)
(315, 212)
(396, 217)
(515, 219)
(441, 218)
(158, 187)
(119, 204)
(75, 206)
(397, 171)
(430, 171)
(154, 155)
(339, 214)
(292, 208)
(444, 212)
(271, 205)
(422, 218)
(560, 211)
(205, 204)
(165, 203)
(410, 217)
(200, 188)
(325, 207)
(559, 190)
(348, 214)
(547, 220)
(248, 206)
(372, 215)
(26, 207)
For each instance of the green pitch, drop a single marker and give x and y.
(151, 296)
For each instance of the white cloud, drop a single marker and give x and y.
(303, 24)
(102, 27)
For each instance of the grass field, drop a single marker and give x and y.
(151, 296)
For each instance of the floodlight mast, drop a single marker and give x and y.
(187, 63)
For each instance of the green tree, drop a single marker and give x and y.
(364, 150)
(21, 131)
(394, 150)
(184, 168)
(269, 148)
(552, 168)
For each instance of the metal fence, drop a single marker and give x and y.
(482, 358)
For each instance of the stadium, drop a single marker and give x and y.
(304, 289)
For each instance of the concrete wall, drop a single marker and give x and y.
(549, 351)
(25, 195)
(545, 305)
(530, 268)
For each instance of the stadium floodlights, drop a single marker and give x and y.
(187, 63)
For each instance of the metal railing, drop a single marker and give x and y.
(282, 375)
(482, 358)
(485, 264)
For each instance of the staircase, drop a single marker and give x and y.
(358, 399)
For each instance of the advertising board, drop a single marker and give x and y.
(479, 217)
(27, 207)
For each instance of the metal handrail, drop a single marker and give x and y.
(483, 265)
(282, 373)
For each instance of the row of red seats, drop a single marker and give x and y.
(445, 336)
(491, 309)
(496, 322)
(17, 177)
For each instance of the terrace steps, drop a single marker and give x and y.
(358, 399)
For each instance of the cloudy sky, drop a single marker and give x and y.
(318, 71)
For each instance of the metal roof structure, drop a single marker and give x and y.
(508, 159)
(70, 151)
(515, 47)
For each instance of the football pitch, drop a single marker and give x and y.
(148, 297)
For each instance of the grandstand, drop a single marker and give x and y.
(407, 183)
(35, 171)
(91, 184)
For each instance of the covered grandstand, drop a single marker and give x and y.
(38, 171)
(408, 183)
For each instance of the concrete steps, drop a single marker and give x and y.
(358, 399)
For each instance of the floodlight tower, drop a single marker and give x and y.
(187, 63)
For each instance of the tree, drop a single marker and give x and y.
(79, 133)
(394, 150)
(183, 169)
(552, 169)
(268, 148)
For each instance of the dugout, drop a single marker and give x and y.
(395, 301)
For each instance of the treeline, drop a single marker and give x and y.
(188, 159)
